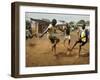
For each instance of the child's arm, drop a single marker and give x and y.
(58, 28)
(82, 37)
(44, 33)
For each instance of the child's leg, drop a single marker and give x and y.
(52, 42)
(74, 45)
(68, 44)
(80, 48)
(65, 42)
(69, 40)
(68, 47)
(81, 44)
(54, 48)
(54, 45)
(66, 38)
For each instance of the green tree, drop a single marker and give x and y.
(81, 22)
(72, 24)
(87, 23)
(28, 24)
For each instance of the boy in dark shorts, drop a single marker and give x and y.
(66, 29)
(51, 34)
(82, 39)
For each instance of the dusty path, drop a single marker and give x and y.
(38, 53)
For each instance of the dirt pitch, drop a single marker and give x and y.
(38, 52)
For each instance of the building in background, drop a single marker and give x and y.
(38, 26)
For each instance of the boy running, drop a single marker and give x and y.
(82, 39)
(66, 29)
(51, 33)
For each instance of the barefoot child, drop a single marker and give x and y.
(67, 34)
(82, 39)
(51, 33)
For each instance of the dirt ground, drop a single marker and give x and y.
(39, 53)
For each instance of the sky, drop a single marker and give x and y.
(50, 16)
